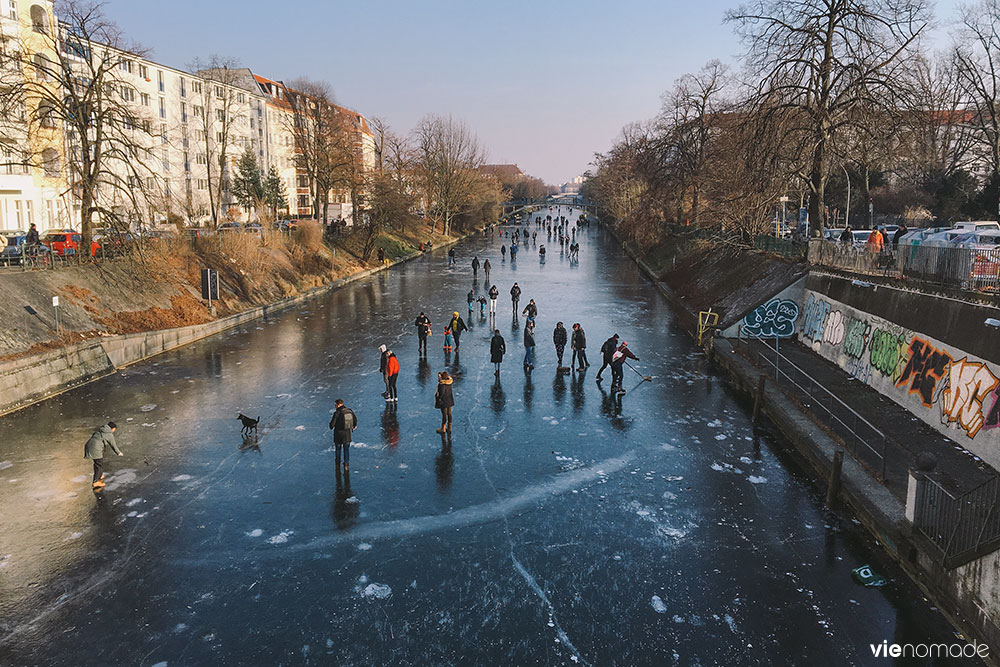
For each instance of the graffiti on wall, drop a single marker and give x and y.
(774, 319)
(872, 350)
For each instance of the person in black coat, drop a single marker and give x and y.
(559, 338)
(578, 343)
(515, 295)
(498, 348)
(423, 324)
(344, 421)
(444, 401)
(607, 352)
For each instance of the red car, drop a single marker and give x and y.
(67, 243)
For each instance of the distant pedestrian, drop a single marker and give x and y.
(457, 326)
(343, 423)
(578, 343)
(475, 266)
(444, 401)
(103, 437)
(494, 295)
(875, 242)
(392, 374)
(607, 352)
(900, 233)
(423, 325)
(482, 306)
(447, 338)
(515, 295)
(847, 236)
(617, 366)
(381, 255)
(513, 251)
(559, 339)
(451, 256)
(471, 299)
(486, 270)
(529, 346)
(498, 348)
(503, 252)
(383, 365)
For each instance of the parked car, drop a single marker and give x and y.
(253, 228)
(860, 237)
(63, 242)
(13, 252)
(195, 232)
(977, 225)
(229, 228)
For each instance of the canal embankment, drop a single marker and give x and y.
(903, 380)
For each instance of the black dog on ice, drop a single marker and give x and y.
(248, 424)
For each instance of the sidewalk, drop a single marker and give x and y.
(906, 436)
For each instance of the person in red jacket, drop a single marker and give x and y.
(392, 374)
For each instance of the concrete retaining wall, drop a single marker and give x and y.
(38, 377)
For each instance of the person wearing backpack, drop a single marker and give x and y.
(342, 424)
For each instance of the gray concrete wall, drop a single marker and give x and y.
(932, 355)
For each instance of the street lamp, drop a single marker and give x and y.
(847, 213)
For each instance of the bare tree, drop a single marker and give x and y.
(74, 99)
(822, 59)
(977, 56)
(217, 117)
(448, 156)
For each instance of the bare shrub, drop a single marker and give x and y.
(308, 235)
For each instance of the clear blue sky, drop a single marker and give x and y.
(543, 84)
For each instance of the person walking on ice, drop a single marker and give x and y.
(457, 326)
(515, 295)
(559, 338)
(498, 348)
(423, 325)
(529, 346)
(444, 401)
(494, 295)
(607, 352)
(486, 270)
(342, 424)
(392, 375)
(475, 267)
(578, 343)
(103, 437)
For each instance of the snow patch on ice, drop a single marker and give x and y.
(121, 478)
(281, 537)
(75, 536)
(376, 591)
(721, 436)
(179, 628)
(149, 407)
(256, 532)
(181, 478)
(403, 466)
(6, 464)
(364, 546)
(353, 500)
(134, 502)
(659, 606)
(715, 423)
(725, 467)
(300, 428)
(754, 479)
(745, 460)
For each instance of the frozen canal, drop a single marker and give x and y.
(558, 527)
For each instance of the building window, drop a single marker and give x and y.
(303, 201)
(220, 115)
(187, 162)
(39, 20)
(12, 10)
(29, 208)
(125, 65)
(42, 66)
(202, 184)
(163, 108)
(201, 158)
(240, 98)
(144, 72)
(219, 92)
(303, 181)
(50, 163)
(184, 112)
(196, 87)
(128, 93)
(159, 80)
(144, 98)
(220, 137)
(183, 87)
(46, 113)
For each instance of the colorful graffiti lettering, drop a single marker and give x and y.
(815, 316)
(925, 366)
(969, 382)
(993, 418)
(856, 338)
(887, 351)
(774, 319)
(860, 370)
(833, 329)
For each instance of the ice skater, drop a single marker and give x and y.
(486, 270)
(451, 256)
(457, 326)
(383, 364)
(617, 367)
(103, 437)
(494, 295)
(559, 338)
(475, 267)
(529, 345)
(392, 374)
(515, 296)
(530, 312)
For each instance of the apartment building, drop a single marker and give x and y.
(190, 130)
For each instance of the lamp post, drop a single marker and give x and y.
(847, 213)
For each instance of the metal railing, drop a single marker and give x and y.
(959, 526)
(957, 267)
(779, 246)
(865, 442)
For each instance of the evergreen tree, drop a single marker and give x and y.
(275, 194)
(248, 186)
